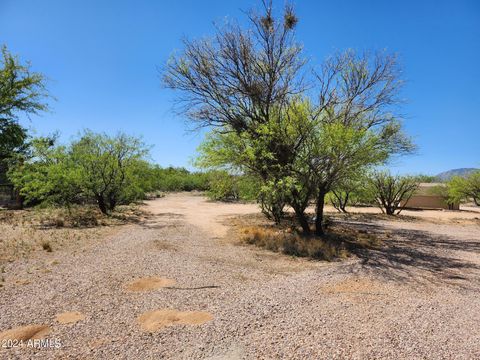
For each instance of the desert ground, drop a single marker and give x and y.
(179, 285)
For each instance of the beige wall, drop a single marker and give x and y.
(429, 202)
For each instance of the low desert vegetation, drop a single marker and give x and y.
(338, 243)
(173, 179)
(107, 171)
(465, 189)
(391, 192)
(227, 187)
(50, 229)
(95, 168)
(293, 244)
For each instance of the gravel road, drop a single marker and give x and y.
(416, 298)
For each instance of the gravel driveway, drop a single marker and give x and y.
(416, 298)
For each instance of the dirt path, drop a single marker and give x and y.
(208, 216)
(168, 288)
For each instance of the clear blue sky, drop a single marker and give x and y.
(101, 58)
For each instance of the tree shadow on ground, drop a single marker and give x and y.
(420, 256)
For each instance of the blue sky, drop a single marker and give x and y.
(101, 58)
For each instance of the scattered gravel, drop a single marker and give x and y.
(417, 297)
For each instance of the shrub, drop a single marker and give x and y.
(106, 170)
(222, 186)
(177, 179)
(226, 187)
(462, 189)
(391, 192)
(75, 216)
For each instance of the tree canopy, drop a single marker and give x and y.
(462, 189)
(298, 135)
(21, 92)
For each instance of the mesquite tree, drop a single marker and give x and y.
(107, 170)
(350, 191)
(249, 86)
(356, 126)
(107, 166)
(392, 192)
(241, 81)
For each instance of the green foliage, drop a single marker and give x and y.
(391, 192)
(21, 91)
(297, 156)
(46, 175)
(227, 187)
(267, 156)
(463, 189)
(423, 178)
(247, 85)
(351, 190)
(95, 168)
(178, 179)
(222, 186)
(106, 167)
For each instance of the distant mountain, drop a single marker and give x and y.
(447, 175)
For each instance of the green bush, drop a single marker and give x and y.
(96, 168)
(178, 179)
(464, 189)
(224, 186)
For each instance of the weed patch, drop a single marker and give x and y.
(291, 243)
(338, 243)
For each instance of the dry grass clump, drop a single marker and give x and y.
(77, 216)
(53, 217)
(339, 241)
(20, 241)
(291, 243)
(46, 246)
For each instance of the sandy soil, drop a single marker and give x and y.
(416, 297)
(465, 213)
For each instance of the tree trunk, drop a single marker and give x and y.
(112, 203)
(390, 209)
(344, 204)
(302, 220)
(319, 211)
(101, 204)
(18, 199)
